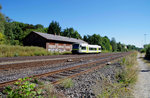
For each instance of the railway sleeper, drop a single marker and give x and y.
(63, 74)
(50, 79)
(68, 72)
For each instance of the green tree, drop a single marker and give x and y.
(106, 44)
(16, 31)
(9, 32)
(2, 21)
(39, 26)
(94, 39)
(119, 47)
(2, 39)
(70, 32)
(85, 38)
(54, 28)
(113, 44)
(147, 56)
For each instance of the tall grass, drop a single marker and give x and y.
(125, 79)
(67, 83)
(14, 51)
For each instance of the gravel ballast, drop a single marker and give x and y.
(90, 85)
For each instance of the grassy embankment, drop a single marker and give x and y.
(125, 79)
(14, 51)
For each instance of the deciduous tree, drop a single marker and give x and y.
(2, 21)
(113, 44)
(54, 28)
(70, 32)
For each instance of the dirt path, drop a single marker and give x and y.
(142, 87)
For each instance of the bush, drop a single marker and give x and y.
(23, 89)
(147, 56)
(143, 50)
(16, 55)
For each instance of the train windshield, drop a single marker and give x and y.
(76, 46)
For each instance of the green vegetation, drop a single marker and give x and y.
(2, 21)
(54, 28)
(67, 83)
(128, 75)
(107, 44)
(98, 40)
(146, 50)
(114, 45)
(23, 89)
(125, 80)
(14, 51)
(147, 56)
(31, 88)
(70, 32)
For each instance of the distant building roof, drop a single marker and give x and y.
(59, 38)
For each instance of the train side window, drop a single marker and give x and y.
(99, 48)
(83, 48)
(92, 49)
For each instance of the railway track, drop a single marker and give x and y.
(10, 60)
(14, 71)
(57, 76)
(35, 63)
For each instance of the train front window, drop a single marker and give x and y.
(75, 46)
(83, 48)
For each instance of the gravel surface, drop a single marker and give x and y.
(9, 60)
(90, 85)
(26, 72)
(9, 75)
(142, 87)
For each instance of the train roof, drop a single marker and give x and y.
(94, 46)
(84, 44)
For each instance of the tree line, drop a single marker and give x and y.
(13, 33)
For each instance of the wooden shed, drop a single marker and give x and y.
(50, 42)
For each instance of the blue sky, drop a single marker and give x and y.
(125, 20)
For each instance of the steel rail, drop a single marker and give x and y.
(72, 68)
(42, 63)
